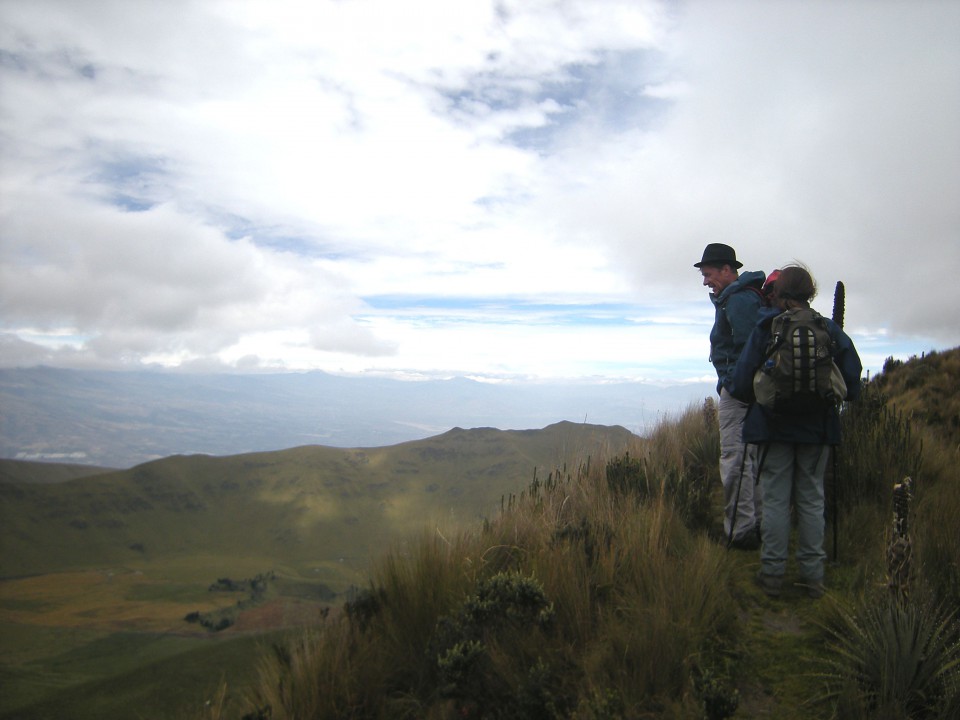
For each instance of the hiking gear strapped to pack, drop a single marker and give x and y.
(798, 374)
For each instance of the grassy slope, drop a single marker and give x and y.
(304, 507)
(101, 570)
(195, 668)
(925, 388)
(782, 644)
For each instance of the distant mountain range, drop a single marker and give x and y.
(121, 419)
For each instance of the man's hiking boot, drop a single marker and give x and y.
(747, 541)
(770, 584)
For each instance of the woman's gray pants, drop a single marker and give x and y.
(798, 469)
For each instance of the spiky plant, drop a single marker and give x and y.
(892, 659)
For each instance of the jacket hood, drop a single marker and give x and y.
(751, 277)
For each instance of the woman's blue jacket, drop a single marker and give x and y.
(763, 425)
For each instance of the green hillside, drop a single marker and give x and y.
(927, 388)
(316, 509)
(99, 573)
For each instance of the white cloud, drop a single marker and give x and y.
(159, 282)
(227, 182)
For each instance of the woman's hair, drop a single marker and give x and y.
(796, 283)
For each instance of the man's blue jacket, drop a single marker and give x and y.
(736, 311)
(763, 425)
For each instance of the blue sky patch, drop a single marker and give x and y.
(505, 309)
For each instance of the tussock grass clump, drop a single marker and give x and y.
(936, 544)
(578, 601)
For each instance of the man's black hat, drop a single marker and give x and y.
(719, 254)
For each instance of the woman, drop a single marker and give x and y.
(794, 444)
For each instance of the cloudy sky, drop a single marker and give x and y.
(503, 189)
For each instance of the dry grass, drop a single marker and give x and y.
(631, 605)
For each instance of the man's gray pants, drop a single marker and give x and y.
(736, 457)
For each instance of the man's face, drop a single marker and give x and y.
(717, 278)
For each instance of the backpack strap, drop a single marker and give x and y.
(778, 331)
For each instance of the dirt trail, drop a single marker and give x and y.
(782, 640)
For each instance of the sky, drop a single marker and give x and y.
(510, 190)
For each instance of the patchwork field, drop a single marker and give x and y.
(70, 633)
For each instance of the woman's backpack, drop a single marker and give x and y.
(798, 375)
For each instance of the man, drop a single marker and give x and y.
(737, 300)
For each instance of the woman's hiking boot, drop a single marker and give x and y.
(813, 588)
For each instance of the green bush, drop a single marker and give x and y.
(488, 653)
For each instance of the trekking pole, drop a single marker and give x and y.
(760, 461)
(839, 295)
(736, 499)
(756, 481)
(833, 501)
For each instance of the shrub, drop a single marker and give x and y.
(882, 444)
(489, 654)
(720, 699)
